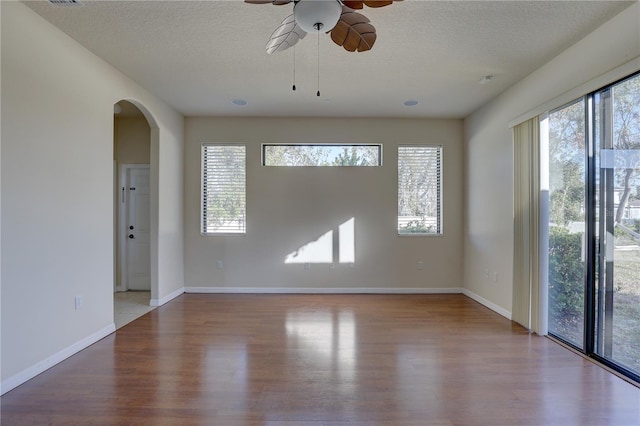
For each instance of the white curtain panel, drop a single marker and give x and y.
(527, 290)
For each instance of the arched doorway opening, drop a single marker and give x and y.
(134, 255)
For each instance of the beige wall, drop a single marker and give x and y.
(57, 193)
(289, 207)
(609, 53)
(132, 140)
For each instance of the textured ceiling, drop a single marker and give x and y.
(198, 56)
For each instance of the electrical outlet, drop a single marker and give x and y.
(420, 265)
(495, 277)
(219, 264)
(79, 302)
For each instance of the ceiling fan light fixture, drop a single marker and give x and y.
(314, 16)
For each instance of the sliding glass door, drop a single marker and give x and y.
(594, 224)
(567, 222)
(617, 296)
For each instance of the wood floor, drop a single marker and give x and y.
(323, 360)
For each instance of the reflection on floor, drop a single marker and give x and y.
(129, 305)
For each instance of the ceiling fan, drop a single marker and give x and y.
(348, 28)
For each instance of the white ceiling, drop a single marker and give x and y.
(198, 56)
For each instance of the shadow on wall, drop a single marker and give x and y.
(321, 250)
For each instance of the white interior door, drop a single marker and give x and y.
(137, 267)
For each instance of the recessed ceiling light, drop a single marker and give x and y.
(411, 103)
(240, 102)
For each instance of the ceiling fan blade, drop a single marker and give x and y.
(359, 4)
(286, 35)
(276, 2)
(353, 32)
(355, 4)
(378, 3)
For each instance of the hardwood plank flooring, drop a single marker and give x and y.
(312, 360)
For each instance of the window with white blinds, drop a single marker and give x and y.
(224, 199)
(419, 190)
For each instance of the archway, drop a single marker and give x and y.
(135, 210)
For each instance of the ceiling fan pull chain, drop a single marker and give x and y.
(294, 68)
(318, 92)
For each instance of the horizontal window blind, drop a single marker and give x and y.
(419, 189)
(223, 189)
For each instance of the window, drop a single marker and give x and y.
(300, 155)
(223, 189)
(419, 190)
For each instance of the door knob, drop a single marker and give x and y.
(131, 227)
(131, 237)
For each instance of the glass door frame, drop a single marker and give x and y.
(599, 214)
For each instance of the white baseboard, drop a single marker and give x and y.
(498, 309)
(45, 364)
(168, 297)
(323, 290)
